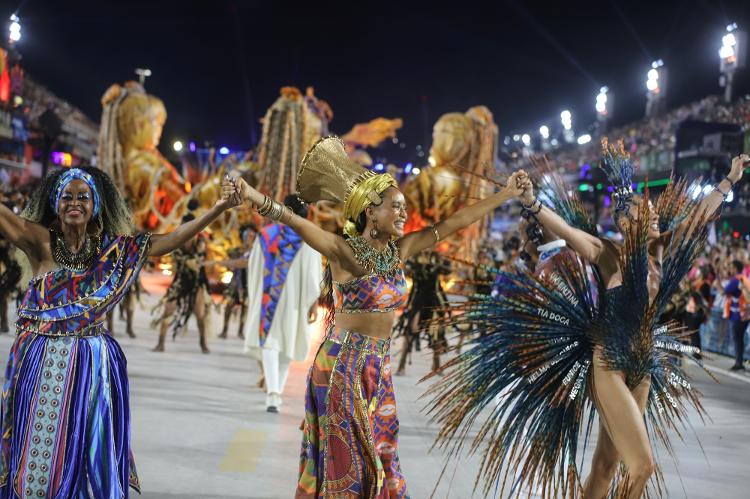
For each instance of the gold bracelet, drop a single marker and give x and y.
(435, 233)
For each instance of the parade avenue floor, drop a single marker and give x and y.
(200, 429)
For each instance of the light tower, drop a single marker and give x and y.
(14, 29)
(603, 109)
(656, 84)
(732, 55)
(566, 118)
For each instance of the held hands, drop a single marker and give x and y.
(230, 193)
(738, 167)
(514, 188)
(527, 196)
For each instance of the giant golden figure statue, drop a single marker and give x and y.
(463, 153)
(132, 123)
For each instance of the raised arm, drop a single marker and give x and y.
(711, 203)
(326, 243)
(414, 242)
(25, 235)
(589, 247)
(161, 244)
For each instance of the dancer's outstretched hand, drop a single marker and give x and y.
(230, 193)
(514, 187)
(738, 167)
(248, 193)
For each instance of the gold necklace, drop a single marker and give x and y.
(384, 263)
(77, 262)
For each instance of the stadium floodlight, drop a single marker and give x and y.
(14, 29)
(544, 131)
(526, 139)
(177, 146)
(656, 85)
(731, 58)
(584, 139)
(566, 118)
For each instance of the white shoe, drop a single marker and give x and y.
(277, 399)
(271, 403)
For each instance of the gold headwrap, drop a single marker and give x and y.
(328, 174)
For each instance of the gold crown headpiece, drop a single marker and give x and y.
(328, 174)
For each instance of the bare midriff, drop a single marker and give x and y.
(377, 324)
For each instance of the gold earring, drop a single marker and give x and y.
(374, 233)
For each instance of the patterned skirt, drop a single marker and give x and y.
(66, 418)
(350, 432)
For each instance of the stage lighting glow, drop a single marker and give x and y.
(526, 139)
(516, 138)
(14, 29)
(729, 40)
(653, 74)
(730, 197)
(416, 171)
(177, 146)
(584, 139)
(379, 167)
(224, 150)
(725, 52)
(544, 131)
(192, 147)
(567, 119)
(601, 100)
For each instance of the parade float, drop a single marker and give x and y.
(462, 162)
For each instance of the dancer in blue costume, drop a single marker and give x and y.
(555, 351)
(65, 404)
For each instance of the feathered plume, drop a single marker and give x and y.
(554, 194)
(619, 170)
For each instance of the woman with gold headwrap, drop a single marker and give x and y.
(350, 440)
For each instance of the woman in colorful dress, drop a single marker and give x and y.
(350, 432)
(557, 351)
(65, 405)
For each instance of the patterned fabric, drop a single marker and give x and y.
(350, 432)
(371, 293)
(65, 407)
(280, 245)
(67, 177)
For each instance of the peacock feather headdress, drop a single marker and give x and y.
(619, 170)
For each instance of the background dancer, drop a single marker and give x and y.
(236, 293)
(426, 298)
(187, 295)
(284, 275)
(65, 407)
(350, 433)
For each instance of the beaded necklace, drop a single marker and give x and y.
(77, 262)
(383, 263)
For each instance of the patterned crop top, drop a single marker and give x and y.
(370, 293)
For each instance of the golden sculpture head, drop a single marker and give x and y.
(140, 117)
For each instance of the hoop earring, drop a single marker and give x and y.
(374, 233)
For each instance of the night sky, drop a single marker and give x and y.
(219, 65)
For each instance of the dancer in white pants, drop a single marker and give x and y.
(284, 276)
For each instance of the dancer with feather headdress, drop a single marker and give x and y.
(557, 350)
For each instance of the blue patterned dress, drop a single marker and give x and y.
(65, 404)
